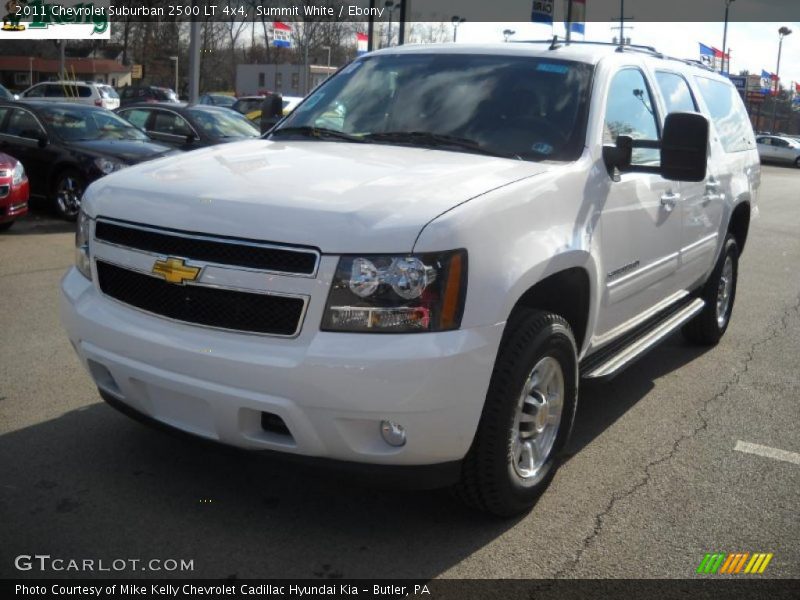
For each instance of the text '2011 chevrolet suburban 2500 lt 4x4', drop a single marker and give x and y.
(416, 267)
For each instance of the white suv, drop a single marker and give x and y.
(95, 94)
(418, 265)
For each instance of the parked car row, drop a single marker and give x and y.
(64, 146)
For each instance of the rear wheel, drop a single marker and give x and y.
(527, 417)
(67, 193)
(6, 226)
(797, 162)
(719, 292)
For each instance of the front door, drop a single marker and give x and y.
(641, 217)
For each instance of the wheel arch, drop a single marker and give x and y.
(567, 293)
(739, 223)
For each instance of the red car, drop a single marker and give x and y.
(13, 191)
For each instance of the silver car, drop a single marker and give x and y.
(774, 148)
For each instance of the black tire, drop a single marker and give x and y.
(67, 192)
(708, 327)
(490, 478)
(797, 162)
(6, 226)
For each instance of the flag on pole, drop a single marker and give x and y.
(577, 16)
(774, 83)
(542, 11)
(766, 81)
(706, 54)
(281, 35)
(362, 43)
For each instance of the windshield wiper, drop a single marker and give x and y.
(434, 140)
(318, 133)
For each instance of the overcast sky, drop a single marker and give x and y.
(754, 46)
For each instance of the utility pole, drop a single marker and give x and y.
(194, 62)
(725, 37)
(569, 22)
(782, 33)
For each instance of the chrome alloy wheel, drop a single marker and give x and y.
(537, 419)
(724, 292)
(68, 196)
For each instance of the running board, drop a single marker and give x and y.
(606, 365)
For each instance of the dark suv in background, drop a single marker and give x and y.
(146, 93)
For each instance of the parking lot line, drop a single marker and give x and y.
(776, 453)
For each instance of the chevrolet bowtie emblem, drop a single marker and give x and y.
(174, 270)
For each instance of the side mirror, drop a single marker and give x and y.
(684, 147)
(618, 157)
(42, 140)
(191, 138)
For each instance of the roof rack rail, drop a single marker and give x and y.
(649, 50)
(585, 42)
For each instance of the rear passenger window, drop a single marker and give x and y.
(23, 124)
(728, 114)
(676, 93)
(53, 90)
(630, 111)
(167, 122)
(136, 116)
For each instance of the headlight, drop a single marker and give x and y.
(394, 294)
(107, 166)
(83, 259)
(18, 176)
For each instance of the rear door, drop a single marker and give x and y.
(731, 160)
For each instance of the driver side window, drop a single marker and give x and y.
(631, 111)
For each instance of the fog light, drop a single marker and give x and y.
(393, 434)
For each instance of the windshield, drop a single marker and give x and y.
(222, 123)
(518, 107)
(85, 124)
(223, 100)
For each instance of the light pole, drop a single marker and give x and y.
(456, 21)
(175, 58)
(391, 6)
(30, 71)
(507, 33)
(328, 48)
(782, 33)
(725, 36)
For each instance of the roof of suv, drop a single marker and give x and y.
(587, 52)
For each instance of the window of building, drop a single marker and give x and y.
(278, 80)
(295, 80)
(261, 79)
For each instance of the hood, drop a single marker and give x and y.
(339, 197)
(127, 151)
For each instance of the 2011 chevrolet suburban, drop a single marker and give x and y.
(415, 269)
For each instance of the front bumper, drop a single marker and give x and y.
(14, 204)
(331, 390)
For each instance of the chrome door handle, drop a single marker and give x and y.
(668, 201)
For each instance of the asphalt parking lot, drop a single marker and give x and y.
(654, 480)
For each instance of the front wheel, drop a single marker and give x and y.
(6, 226)
(719, 292)
(527, 417)
(67, 194)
